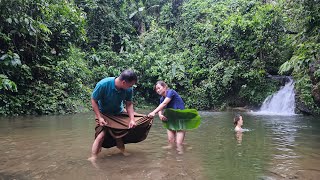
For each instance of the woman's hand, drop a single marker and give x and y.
(162, 117)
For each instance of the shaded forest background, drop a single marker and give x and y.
(215, 53)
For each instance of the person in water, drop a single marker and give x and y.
(108, 97)
(169, 99)
(238, 122)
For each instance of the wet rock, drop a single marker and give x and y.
(302, 107)
(315, 81)
(312, 69)
(240, 109)
(281, 79)
(316, 93)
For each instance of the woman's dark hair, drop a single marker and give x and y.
(162, 83)
(128, 76)
(236, 119)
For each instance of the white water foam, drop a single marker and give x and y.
(280, 103)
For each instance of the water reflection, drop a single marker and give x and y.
(57, 147)
(239, 137)
(286, 133)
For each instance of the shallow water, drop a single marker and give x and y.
(57, 147)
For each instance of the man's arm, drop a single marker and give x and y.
(95, 108)
(129, 108)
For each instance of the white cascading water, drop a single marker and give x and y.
(282, 102)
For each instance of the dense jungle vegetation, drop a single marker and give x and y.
(215, 53)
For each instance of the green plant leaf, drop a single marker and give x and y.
(181, 119)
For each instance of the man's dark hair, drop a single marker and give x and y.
(128, 76)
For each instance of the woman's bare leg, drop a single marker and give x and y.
(179, 141)
(171, 139)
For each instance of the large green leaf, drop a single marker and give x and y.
(181, 119)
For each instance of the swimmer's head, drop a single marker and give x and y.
(238, 120)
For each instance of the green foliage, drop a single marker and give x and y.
(214, 50)
(303, 64)
(8, 60)
(214, 53)
(255, 94)
(7, 84)
(35, 42)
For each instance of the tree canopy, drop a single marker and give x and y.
(214, 53)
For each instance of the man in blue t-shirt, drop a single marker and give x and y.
(107, 98)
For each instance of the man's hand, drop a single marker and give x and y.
(162, 117)
(132, 124)
(151, 115)
(101, 121)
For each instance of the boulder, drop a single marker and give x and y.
(301, 107)
(316, 93)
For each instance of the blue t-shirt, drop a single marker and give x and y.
(176, 101)
(110, 100)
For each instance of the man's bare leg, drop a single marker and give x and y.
(121, 147)
(96, 146)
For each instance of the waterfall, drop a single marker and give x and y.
(281, 102)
